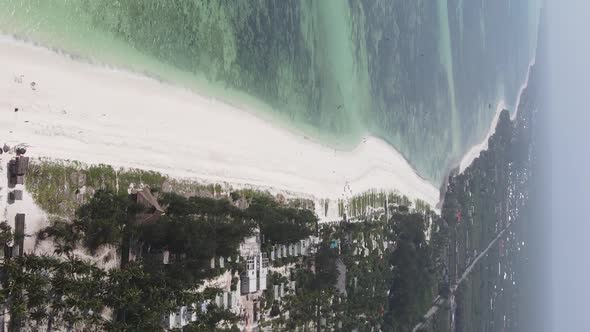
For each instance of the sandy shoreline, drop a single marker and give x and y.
(475, 150)
(98, 115)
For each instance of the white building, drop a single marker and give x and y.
(263, 271)
(178, 319)
(254, 278)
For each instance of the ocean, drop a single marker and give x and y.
(423, 75)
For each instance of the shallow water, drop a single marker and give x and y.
(419, 74)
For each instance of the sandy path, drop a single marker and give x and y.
(97, 115)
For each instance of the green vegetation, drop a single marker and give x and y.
(478, 204)
(490, 195)
(311, 302)
(59, 187)
(281, 225)
(143, 291)
(377, 273)
(362, 205)
(103, 219)
(392, 273)
(52, 294)
(395, 69)
(62, 291)
(413, 285)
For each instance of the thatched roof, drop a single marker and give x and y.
(152, 209)
(146, 199)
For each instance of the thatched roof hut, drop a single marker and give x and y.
(150, 208)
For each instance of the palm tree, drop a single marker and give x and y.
(13, 292)
(25, 291)
(83, 296)
(56, 305)
(37, 291)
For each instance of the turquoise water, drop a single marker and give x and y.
(420, 74)
(446, 60)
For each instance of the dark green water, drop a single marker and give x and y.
(421, 74)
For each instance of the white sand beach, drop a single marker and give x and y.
(79, 111)
(475, 150)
